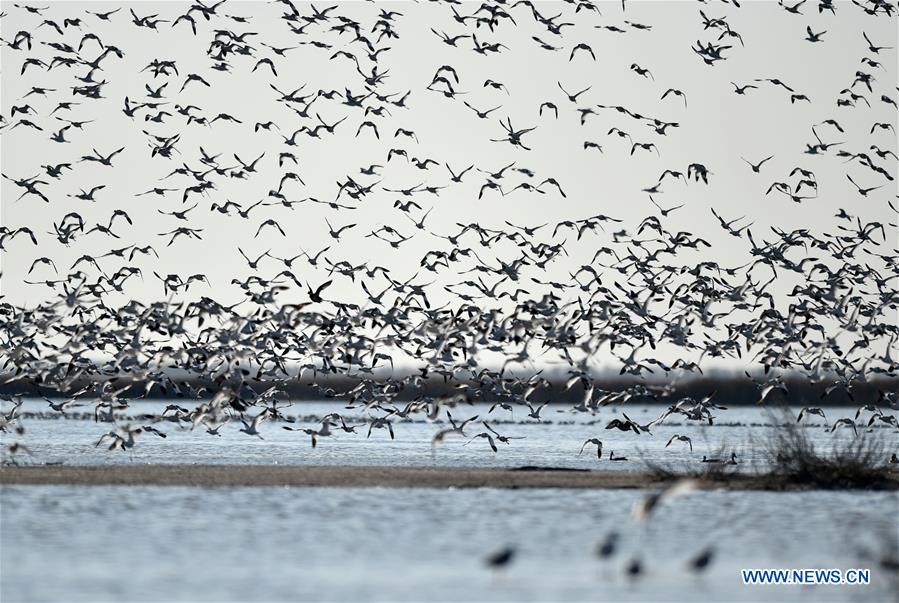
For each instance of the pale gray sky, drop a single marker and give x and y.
(716, 129)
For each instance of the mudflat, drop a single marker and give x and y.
(361, 476)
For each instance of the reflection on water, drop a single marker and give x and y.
(555, 442)
(65, 543)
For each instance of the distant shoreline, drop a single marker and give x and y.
(367, 477)
(730, 389)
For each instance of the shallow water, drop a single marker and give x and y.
(173, 543)
(554, 442)
(102, 543)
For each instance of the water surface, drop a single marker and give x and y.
(63, 543)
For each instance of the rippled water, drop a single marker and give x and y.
(101, 543)
(554, 442)
(66, 543)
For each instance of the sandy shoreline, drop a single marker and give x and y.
(305, 475)
(342, 476)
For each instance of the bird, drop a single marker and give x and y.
(270, 222)
(596, 442)
(811, 411)
(742, 89)
(795, 8)
(626, 425)
(665, 211)
(608, 546)
(844, 422)
(680, 438)
(252, 428)
(756, 167)
(812, 36)
(253, 264)
(550, 107)
(447, 39)
(100, 158)
(501, 558)
(675, 92)
(702, 560)
(717, 461)
(862, 191)
(573, 97)
(872, 47)
(634, 568)
(582, 47)
(315, 294)
(535, 412)
(335, 234)
(773, 385)
(458, 177)
(641, 71)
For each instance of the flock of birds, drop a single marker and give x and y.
(606, 550)
(480, 311)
